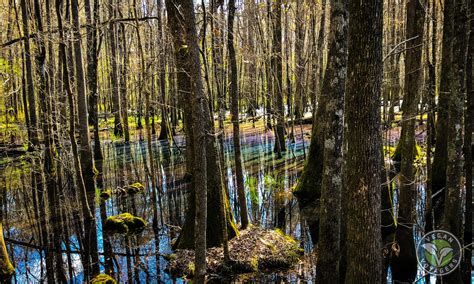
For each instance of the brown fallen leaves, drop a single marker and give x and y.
(256, 248)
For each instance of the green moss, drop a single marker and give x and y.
(287, 237)
(134, 188)
(254, 264)
(95, 171)
(191, 268)
(124, 223)
(103, 279)
(252, 184)
(397, 153)
(105, 194)
(279, 232)
(169, 257)
(390, 150)
(397, 156)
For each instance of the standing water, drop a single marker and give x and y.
(139, 257)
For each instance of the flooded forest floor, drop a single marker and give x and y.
(124, 187)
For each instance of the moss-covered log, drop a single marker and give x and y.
(124, 223)
(103, 279)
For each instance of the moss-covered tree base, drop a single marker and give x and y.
(255, 249)
(6, 268)
(308, 188)
(214, 221)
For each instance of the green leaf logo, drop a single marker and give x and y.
(438, 253)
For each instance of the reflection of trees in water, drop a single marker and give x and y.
(136, 256)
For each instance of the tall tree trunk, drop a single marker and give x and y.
(468, 153)
(362, 198)
(201, 132)
(87, 162)
(404, 266)
(277, 77)
(49, 166)
(217, 49)
(234, 94)
(123, 77)
(452, 219)
(440, 159)
(214, 182)
(308, 189)
(164, 125)
(118, 130)
(92, 17)
(300, 68)
(249, 58)
(30, 89)
(431, 93)
(333, 87)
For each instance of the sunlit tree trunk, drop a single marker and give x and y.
(300, 63)
(123, 65)
(164, 125)
(333, 87)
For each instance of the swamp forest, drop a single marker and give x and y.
(235, 141)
